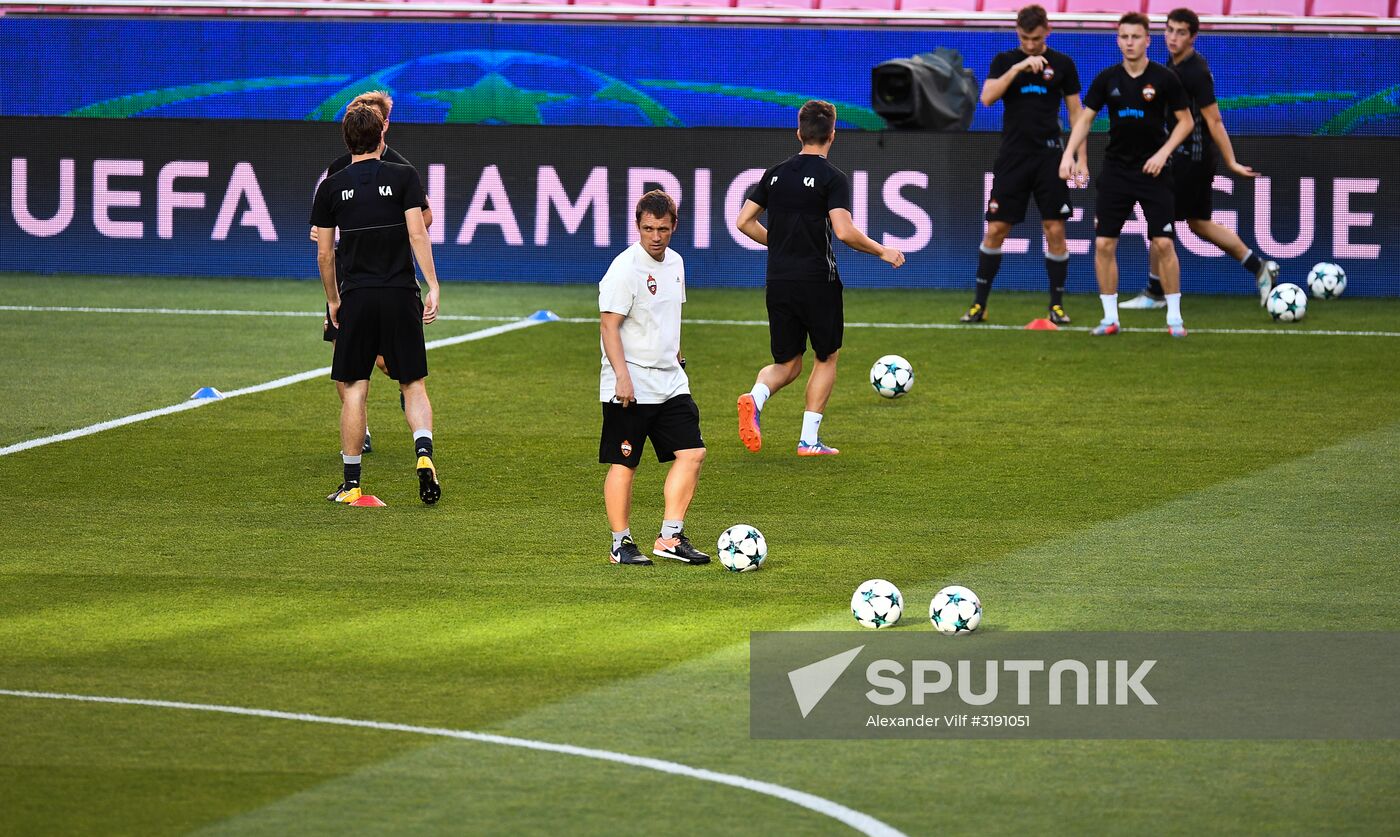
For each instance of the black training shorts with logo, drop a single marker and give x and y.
(801, 310)
(1119, 188)
(1019, 174)
(380, 321)
(671, 426)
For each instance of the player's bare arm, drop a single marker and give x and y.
(1216, 126)
(610, 327)
(749, 224)
(994, 88)
(845, 228)
(423, 252)
(1158, 161)
(1077, 135)
(1073, 107)
(325, 261)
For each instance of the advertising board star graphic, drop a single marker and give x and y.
(494, 99)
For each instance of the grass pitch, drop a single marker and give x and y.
(1231, 481)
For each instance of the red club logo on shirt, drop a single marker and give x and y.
(651, 284)
(1149, 93)
(992, 205)
(1047, 73)
(626, 448)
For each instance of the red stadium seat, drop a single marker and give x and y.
(1292, 8)
(1051, 6)
(612, 2)
(873, 5)
(1351, 8)
(775, 4)
(1200, 7)
(936, 5)
(709, 4)
(1103, 6)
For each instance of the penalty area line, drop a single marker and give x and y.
(220, 312)
(277, 383)
(861, 822)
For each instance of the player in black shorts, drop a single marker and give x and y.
(372, 291)
(1031, 81)
(1140, 96)
(807, 199)
(382, 102)
(1194, 164)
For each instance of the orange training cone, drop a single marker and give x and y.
(369, 501)
(1041, 324)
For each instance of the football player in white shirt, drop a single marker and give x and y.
(643, 386)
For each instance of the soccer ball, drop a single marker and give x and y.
(742, 548)
(892, 376)
(877, 604)
(955, 610)
(1327, 280)
(1287, 303)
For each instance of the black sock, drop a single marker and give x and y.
(423, 445)
(352, 475)
(1252, 263)
(987, 266)
(1058, 271)
(1154, 286)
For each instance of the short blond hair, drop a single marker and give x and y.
(377, 99)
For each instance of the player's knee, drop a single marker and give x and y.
(1054, 236)
(693, 456)
(830, 358)
(1105, 246)
(1163, 247)
(996, 234)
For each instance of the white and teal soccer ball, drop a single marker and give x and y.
(1327, 280)
(892, 376)
(1287, 303)
(742, 548)
(955, 610)
(877, 604)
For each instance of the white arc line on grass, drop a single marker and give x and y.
(263, 387)
(864, 823)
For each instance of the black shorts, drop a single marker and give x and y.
(1019, 174)
(798, 310)
(673, 425)
(1120, 187)
(1191, 184)
(380, 321)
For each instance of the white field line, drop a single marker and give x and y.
(1278, 330)
(215, 312)
(263, 387)
(864, 823)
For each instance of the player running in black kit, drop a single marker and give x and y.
(372, 291)
(807, 200)
(1031, 81)
(1140, 96)
(1194, 164)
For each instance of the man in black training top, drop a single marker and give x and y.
(807, 199)
(1140, 96)
(1031, 81)
(1194, 164)
(372, 291)
(382, 102)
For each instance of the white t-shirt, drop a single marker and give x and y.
(649, 294)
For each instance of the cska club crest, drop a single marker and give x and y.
(1048, 73)
(992, 205)
(626, 448)
(651, 284)
(1149, 93)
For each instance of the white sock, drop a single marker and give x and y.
(1110, 307)
(422, 432)
(618, 536)
(350, 460)
(760, 395)
(1174, 308)
(811, 427)
(671, 528)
